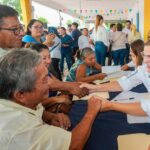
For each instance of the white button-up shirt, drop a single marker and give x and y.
(137, 77)
(22, 128)
(100, 35)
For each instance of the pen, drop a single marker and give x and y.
(131, 98)
(105, 82)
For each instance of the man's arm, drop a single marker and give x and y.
(71, 87)
(81, 132)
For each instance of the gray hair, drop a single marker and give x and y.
(85, 52)
(17, 72)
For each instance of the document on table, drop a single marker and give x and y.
(114, 72)
(130, 97)
(134, 142)
(110, 69)
(100, 94)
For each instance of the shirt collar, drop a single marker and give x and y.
(38, 112)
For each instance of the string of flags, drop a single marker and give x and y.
(104, 12)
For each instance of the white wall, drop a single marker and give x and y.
(139, 7)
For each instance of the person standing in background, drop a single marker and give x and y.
(127, 31)
(55, 53)
(134, 34)
(99, 37)
(83, 40)
(75, 36)
(66, 45)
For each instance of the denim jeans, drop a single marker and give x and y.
(119, 56)
(68, 57)
(100, 52)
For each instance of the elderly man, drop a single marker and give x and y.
(23, 86)
(11, 33)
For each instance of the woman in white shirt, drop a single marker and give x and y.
(99, 37)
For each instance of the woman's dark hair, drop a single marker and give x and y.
(119, 27)
(63, 28)
(137, 48)
(32, 21)
(39, 47)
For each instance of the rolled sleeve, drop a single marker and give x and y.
(127, 83)
(145, 104)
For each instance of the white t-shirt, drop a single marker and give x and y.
(83, 42)
(22, 128)
(55, 53)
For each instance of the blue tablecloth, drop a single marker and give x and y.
(107, 126)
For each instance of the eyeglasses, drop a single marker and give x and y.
(36, 27)
(16, 31)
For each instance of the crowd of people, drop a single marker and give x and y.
(36, 108)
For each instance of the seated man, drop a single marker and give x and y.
(23, 86)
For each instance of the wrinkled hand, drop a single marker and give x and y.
(102, 76)
(94, 105)
(106, 105)
(90, 87)
(61, 120)
(76, 90)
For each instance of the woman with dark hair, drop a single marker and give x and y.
(136, 49)
(118, 40)
(99, 37)
(35, 30)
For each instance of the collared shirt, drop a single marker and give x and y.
(83, 42)
(22, 128)
(2, 52)
(135, 78)
(100, 35)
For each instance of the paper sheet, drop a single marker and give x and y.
(100, 94)
(110, 69)
(130, 97)
(134, 142)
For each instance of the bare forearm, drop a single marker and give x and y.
(87, 79)
(111, 87)
(60, 86)
(129, 108)
(81, 132)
